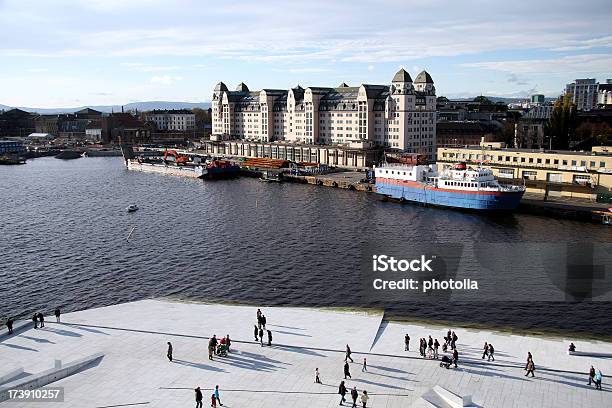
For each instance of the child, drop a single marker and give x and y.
(213, 401)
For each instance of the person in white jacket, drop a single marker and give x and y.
(364, 398)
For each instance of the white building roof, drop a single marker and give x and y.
(41, 136)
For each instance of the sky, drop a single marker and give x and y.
(65, 53)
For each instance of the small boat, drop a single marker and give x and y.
(270, 176)
(132, 208)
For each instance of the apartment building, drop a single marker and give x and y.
(181, 120)
(584, 93)
(400, 115)
(553, 173)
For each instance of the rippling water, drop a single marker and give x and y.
(64, 228)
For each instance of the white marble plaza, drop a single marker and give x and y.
(135, 371)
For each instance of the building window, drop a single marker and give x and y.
(582, 179)
(530, 175)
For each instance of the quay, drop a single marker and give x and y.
(356, 179)
(125, 346)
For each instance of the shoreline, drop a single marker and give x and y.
(553, 334)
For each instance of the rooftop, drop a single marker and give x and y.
(538, 151)
(134, 370)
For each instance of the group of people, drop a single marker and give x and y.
(258, 330)
(488, 351)
(218, 347)
(342, 390)
(595, 377)
(214, 397)
(429, 347)
(37, 318)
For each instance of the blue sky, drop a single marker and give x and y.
(90, 52)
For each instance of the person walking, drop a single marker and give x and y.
(35, 320)
(342, 392)
(263, 321)
(455, 357)
(228, 342)
(255, 331)
(354, 396)
(269, 338)
(364, 398)
(448, 338)
(217, 396)
(364, 367)
(211, 348)
(198, 397)
(407, 343)
(348, 354)
(485, 351)
(57, 314)
(169, 354)
(529, 357)
(436, 346)
(261, 337)
(454, 341)
(530, 368)
(213, 401)
(598, 378)
(41, 319)
(9, 325)
(591, 375)
(259, 321)
(347, 373)
(491, 352)
(317, 378)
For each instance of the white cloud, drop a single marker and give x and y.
(572, 64)
(141, 67)
(165, 80)
(309, 31)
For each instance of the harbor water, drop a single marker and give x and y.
(63, 242)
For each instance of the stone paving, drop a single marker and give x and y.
(135, 371)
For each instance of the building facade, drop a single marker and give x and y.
(552, 173)
(16, 123)
(463, 133)
(583, 93)
(335, 156)
(400, 116)
(604, 94)
(181, 120)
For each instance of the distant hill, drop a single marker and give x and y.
(141, 106)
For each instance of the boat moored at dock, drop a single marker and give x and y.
(181, 164)
(457, 187)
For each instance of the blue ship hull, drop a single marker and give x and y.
(473, 200)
